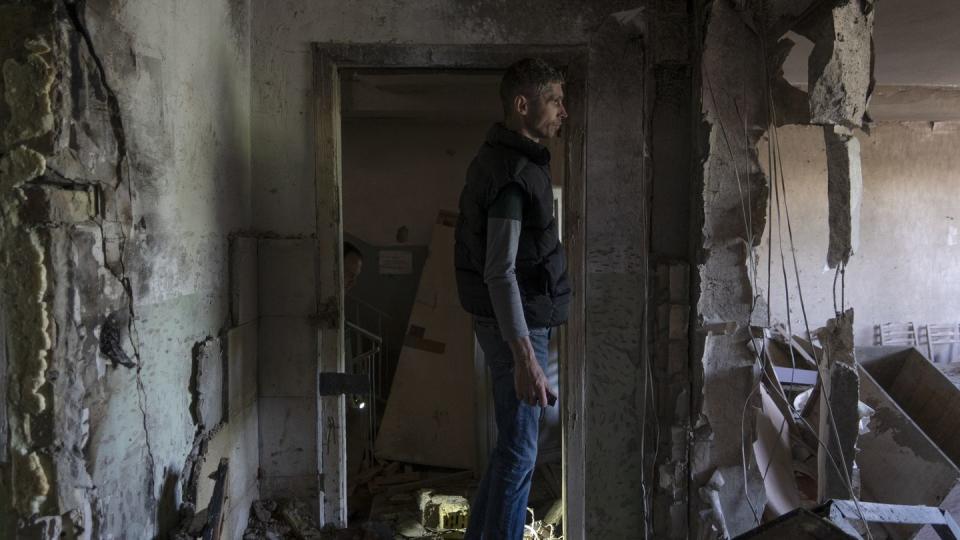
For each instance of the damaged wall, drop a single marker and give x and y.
(905, 269)
(734, 190)
(123, 173)
(616, 233)
(739, 83)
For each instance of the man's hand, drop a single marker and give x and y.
(528, 378)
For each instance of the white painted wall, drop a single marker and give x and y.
(908, 264)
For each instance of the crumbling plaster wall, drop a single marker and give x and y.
(616, 230)
(740, 80)
(733, 197)
(905, 269)
(121, 181)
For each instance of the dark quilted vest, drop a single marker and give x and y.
(541, 268)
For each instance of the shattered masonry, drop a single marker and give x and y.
(734, 198)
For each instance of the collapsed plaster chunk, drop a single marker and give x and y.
(30, 481)
(840, 69)
(712, 519)
(18, 166)
(844, 193)
(27, 94)
(440, 511)
(207, 385)
(839, 411)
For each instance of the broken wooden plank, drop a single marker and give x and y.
(215, 513)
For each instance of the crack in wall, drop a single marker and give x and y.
(74, 11)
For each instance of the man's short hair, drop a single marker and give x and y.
(528, 77)
(349, 248)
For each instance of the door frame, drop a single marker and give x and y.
(328, 60)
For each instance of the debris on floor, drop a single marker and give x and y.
(409, 501)
(208, 522)
(798, 448)
(276, 520)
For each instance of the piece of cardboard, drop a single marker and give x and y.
(774, 459)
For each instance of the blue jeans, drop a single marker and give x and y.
(499, 508)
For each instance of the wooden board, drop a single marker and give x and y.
(430, 414)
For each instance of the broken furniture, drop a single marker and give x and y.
(898, 463)
(837, 520)
(939, 335)
(923, 392)
(895, 333)
(906, 453)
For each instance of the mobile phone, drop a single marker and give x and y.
(551, 398)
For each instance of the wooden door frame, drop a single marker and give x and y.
(328, 60)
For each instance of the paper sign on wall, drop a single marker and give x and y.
(396, 262)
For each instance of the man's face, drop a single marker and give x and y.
(545, 113)
(352, 265)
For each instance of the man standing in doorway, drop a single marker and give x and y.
(511, 276)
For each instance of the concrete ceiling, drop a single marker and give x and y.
(917, 44)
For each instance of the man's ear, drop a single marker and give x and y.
(521, 105)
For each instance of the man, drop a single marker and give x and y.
(352, 265)
(511, 276)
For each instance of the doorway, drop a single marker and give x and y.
(396, 128)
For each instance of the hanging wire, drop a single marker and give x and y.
(777, 180)
(845, 473)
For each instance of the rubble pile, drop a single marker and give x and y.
(278, 520)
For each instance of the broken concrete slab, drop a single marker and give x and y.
(844, 193)
(208, 384)
(841, 63)
(839, 419)
(440, 511)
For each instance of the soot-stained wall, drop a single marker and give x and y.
(125, 167)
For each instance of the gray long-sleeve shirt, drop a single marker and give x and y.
(504, 220)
